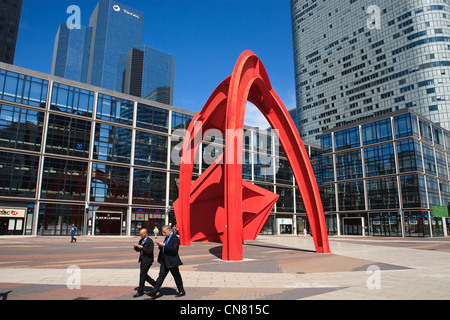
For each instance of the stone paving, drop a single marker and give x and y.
(274, 268)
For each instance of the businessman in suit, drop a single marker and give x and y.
(145, 247)
(169, 260)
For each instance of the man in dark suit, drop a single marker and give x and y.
(145, 247)
(170, 261)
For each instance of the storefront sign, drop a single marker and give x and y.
(12, 213)
(440, 211)
(285, 221)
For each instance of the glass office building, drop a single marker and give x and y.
(72, 153)
(147, 73)
(357, 59)
(10, 11)
(115, 29)
(384, 176)
(71, 53)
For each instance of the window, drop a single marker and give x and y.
(68, 136)
(115, 109)
(18, 175)
(152, 118)
(382, 193)
(409, 156)
(23, 89)
(149, 187)
(377, 132)
(20, 128)
(64, 179)
(346, 139)
(150, 150)
(379, 160)
(112, 143)
(109, 183)
(72, 100)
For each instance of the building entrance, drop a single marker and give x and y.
(108, 223)
(353, 226)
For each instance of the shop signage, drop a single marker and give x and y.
(285, 221)
(440, 211)
(108, 217)
(12, 213)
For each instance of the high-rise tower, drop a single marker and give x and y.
(356, 59)
(10, 11)
(115, 29)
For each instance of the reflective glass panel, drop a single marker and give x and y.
(286, 201)
(346, 139)
(152, 118)
(149, 187)
(20, 128)
(23, 89)
(150, 149)
(112, 143)
(18, 175)
(351, 196)
(109, 183)
(349, 165)
(377, 131)
(380, 160)
(409, 156)
(115, 109)
(72, 100)
(68, 136)
(180, 120)
(382, 193)
(64, 179)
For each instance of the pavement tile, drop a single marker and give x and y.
(273, 269)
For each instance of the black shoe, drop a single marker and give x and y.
(138, 294)
(180, 294)
(152, 295)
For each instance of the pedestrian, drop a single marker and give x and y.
(156, 231)
(73, 232)
(145, 247)
(169, 260)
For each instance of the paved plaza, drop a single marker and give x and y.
(274, 268)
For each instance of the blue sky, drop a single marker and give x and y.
(205, 37)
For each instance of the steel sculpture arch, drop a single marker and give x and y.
(219, 205)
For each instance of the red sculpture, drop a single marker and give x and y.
(219, 205)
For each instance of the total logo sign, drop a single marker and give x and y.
(117, 8)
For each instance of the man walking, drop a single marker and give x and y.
(145, 247)
(170, 261)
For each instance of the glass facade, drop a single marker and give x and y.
(105, 161)
(71, 53)
(147, 73)
(386, 180)
(348, 70)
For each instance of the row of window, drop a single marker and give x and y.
(33, 91)
(405, 125)
(64, 179)
(382, 193)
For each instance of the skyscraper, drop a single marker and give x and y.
(147, 73)
(9, 27)
(357, 59)
(71, 53)
(115, 29)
